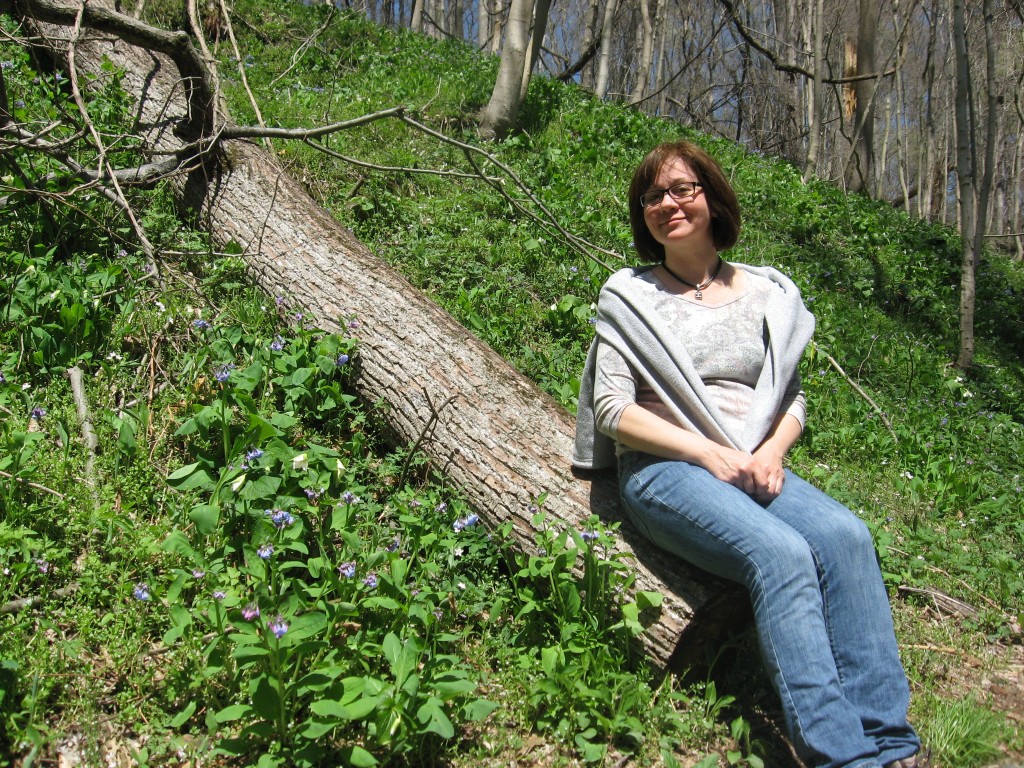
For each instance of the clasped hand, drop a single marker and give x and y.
(759, 474)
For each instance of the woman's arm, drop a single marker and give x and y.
(759, 474)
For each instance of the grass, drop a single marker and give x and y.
(461, 654)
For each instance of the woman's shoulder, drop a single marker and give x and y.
(629, 278)
(768, 278)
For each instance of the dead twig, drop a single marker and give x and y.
(74, 375)
(14, 606)
(858, 389)
(30, 484)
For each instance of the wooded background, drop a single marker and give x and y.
(862, 92)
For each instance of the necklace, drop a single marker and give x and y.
(699, 286)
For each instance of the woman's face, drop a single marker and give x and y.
(679, 224)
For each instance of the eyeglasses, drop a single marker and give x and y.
(684, 190)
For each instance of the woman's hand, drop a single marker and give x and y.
(760, 474)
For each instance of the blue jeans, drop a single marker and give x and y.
(820, 606)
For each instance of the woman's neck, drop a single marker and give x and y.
(694, 267)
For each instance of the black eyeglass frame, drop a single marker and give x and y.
(654, 197)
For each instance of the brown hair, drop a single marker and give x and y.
(721, 199)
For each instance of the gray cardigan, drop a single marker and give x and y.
(627, 323)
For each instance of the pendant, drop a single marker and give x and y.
(698, 295)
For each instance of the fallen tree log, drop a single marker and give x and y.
(500, 439)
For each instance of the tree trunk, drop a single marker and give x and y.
(604, 54)
(498, 437)
(498, 117)
(858, 175)
(965, 170)
(815, 123)
(540, 23)
(646, 32)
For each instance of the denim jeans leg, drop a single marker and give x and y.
(717, 527)
(857, 614)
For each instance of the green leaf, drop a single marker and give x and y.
(260, 429)
(183, 717)
(478, 709)
(645, 600)
(233, 712)
(357, 757)
(266, 698)
(189, 477)
(435, 720)
(261, 488)
(206, 518)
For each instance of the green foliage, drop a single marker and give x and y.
(962, 733)
(238, 473)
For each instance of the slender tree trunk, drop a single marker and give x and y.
(590, 32)
(858, 176)
(966, 169)
(645, 31)
(416, 23)
(498, 117)
(484, 23)
(991, 132)
(815, 124)
(539, 25)
(659, 67)
(604, 54)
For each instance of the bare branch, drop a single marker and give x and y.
(781, 66)
(37, 486)
(115, 194)
(176, 45)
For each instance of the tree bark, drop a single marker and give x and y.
(498, 117)
(646, 32)
(966, 169)
(604, 53)
(814, 124)
(859, 168)
(500, 439)
(537, 28)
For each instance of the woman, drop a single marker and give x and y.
(692, 385)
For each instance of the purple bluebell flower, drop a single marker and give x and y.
(280, 518)
(219, 594)
(200, 324)
(371, 580)
(278, 627)
(223, 373)
(589, 535)
(441, 507)
(466, 522)
(349, 498)
(141, 592)
(265, 551)
(353, 324)
(250, 612)
(313, 494)
(347, 570)
(342, 359)
(38, 413)
(42, 565)
(277, 344)
(198, 573)
(394, 545)
(252, 454)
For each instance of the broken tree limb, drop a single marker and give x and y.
(500, 439)
(74, 374)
